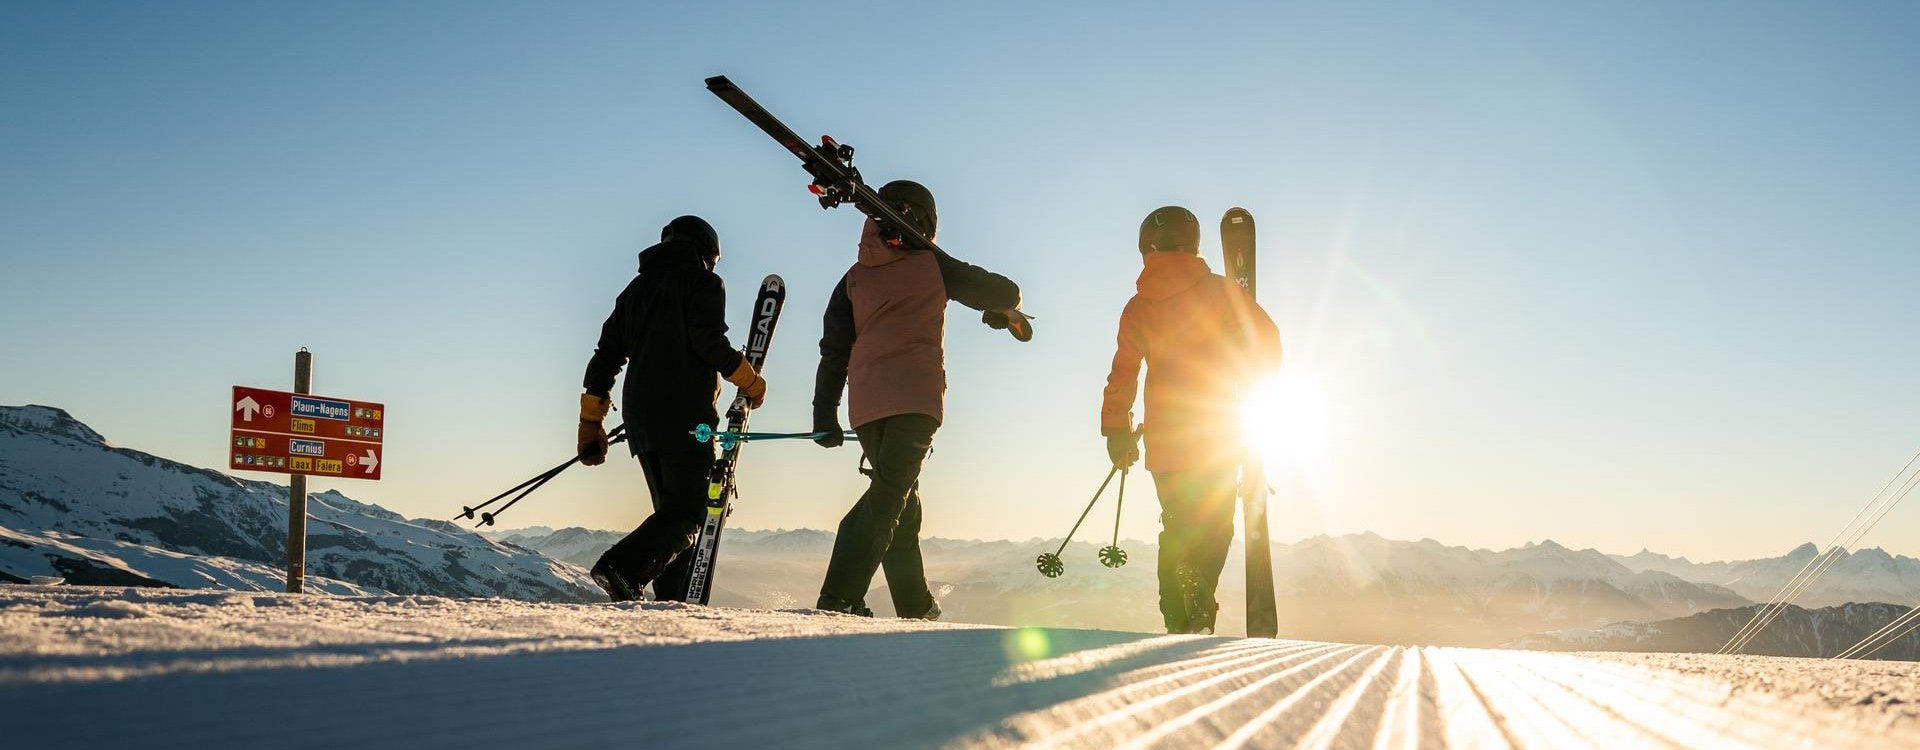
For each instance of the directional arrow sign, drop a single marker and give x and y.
(297, 433)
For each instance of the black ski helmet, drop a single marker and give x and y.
(1170, 229)
(694, 230)
(915, 202)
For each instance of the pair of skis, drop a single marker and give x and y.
(1263, 620)
(721, 484)
(836, 182)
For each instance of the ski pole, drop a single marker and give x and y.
(728, 438)
(1112, 556)
(618, 436)
(1049, 563)
(486, 519)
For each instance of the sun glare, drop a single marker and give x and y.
(1288, 420)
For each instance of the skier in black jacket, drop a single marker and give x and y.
(670, 322)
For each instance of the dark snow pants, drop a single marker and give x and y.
(883, 529)
(660, 550)
(1196, 525)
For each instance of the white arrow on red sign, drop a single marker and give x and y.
(247, 407)
(371, 462)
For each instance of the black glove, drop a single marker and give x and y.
(995, 319)
(1123, 446)
(826, 427)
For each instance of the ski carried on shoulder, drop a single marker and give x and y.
(721, 487)
(837, 182)
(1237, 250)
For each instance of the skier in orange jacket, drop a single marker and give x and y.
(1204, 341)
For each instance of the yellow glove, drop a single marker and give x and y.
(750, 383)
(592, 442)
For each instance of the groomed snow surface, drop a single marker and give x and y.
(110, 667)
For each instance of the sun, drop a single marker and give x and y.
(1287, 420)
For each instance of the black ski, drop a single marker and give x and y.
(721, 488)
(1237, 251)
(836, 181)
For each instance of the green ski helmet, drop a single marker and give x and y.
(1170, 229)
(915, 202)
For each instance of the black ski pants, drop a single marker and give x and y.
(660, 550)
(883, 529)
(1196, 526)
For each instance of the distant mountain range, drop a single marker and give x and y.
(1867, 575)
(74, 507)
(1353, 588)
(1358, 587)
(1796, 631)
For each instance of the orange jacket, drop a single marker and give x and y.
(1203, 340)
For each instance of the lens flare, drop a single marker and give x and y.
(1287, 420)
(1027, 644)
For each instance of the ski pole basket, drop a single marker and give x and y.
(1050, 564)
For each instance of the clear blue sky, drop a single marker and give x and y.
(1624, 276)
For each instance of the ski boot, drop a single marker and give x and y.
(1201, 620)
(617, 587)
(1202, 610)
(831, 603)
(932, 613)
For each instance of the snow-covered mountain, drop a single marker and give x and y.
(28, 556)
(74, 506)
(573, 544)
(1867, 575)
(1797, 631)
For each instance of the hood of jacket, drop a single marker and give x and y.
(1168, 274)
(875, 251)
(673, 253)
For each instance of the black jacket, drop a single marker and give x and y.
(671, 323)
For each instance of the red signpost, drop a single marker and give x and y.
(293, 433)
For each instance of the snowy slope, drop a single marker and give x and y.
(58, 475)
(80, 560)
(151, 668)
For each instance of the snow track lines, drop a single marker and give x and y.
(112, 668)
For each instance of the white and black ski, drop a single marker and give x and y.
(836, 182)
(1237, 251)
(721, 487)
